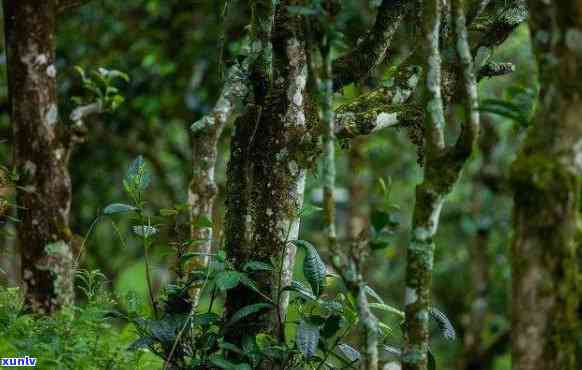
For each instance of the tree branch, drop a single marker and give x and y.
(470, 129)
(365, 57)
(64, 5)
(381, 108)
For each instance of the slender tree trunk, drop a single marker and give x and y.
(202, 193)
(44, 186)
(546, 182)
(443, 166)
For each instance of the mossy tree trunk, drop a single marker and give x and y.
(443, 165)
(266, 172)
(546, 182)
(40, 157)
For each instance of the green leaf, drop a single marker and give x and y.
(309, 209)
(257, 266)
(301, 289)
(350, 352)
(167, 212)
(205, 319)
(247, 311)
(387, 308)
(138, 176)
(226, 280)
(118, 208)
(222, 363)
(307, 337)
(372, 293)
(313, 267)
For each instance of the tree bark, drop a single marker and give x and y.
(44, 185)
(266, 176)
(546, 182)
(443, 166)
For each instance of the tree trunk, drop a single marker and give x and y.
(266, 177)
(546, 182)
(44, 186)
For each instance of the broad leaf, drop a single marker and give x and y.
(313, 267)
(226, 280)
(247, 311)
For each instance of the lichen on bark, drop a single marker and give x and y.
(40, 153)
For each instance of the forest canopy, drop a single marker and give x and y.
(291, 184)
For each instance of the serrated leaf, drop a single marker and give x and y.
(247, 311)
(118, 208)
(144, 230)
(307, 338)
(446, 327)
(350, 352)
(313, 267)
(257, 266)
(226, 280)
